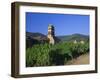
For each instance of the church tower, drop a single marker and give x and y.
(51, 34)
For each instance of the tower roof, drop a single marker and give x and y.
(50, 26)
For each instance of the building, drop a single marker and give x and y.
(75, 42)
(82, 42)
(51, 34)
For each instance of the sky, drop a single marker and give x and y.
(65, 24)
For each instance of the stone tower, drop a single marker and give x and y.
(51, 34)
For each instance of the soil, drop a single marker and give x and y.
(83, 59)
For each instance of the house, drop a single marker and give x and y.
(75, 42)
(82, 42)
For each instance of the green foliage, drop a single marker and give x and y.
(78, 37)
(38, 55)
(58, 54)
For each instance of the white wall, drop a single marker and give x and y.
(5, 40)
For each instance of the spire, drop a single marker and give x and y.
(50, 26)
(51, 34)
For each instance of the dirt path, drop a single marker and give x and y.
(83, 59)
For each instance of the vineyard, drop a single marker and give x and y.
(52, 55)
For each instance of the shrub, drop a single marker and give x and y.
(58, 54)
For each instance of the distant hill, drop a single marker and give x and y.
(73, 37)
(34, 38)
(38, 38)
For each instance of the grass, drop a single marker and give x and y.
(58, 54)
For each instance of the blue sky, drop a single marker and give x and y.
(65, 24)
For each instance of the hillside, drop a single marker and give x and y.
(34, 38)
(73, 37)
(38, 38)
